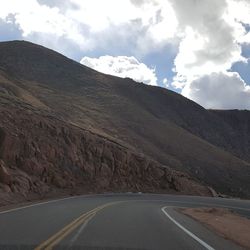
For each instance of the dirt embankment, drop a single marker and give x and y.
(224, 222)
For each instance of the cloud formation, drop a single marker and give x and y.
(208, 35)
(86, 22)
(210, 43)
(122, 66)
(219, 91)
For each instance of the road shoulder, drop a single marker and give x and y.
(224, 222)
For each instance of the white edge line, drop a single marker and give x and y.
(199, 203)
(187, 231)
(46, 202)
(210, 204)
(77, 196)
(36, 204)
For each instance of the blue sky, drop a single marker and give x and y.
(199, 49)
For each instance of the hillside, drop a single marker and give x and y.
(149, 122)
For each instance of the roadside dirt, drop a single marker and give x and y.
(226, 223)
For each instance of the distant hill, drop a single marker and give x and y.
(46, 95)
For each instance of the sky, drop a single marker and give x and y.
(198, 48)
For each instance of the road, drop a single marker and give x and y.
(113, 221)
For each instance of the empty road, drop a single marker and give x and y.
(113, 221)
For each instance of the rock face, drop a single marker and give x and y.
(41, 155)
(5, 176)
(67, 128)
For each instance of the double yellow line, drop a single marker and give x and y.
(65, 231)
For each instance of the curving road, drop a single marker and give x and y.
(113, 221)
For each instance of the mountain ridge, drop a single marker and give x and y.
(152, 121)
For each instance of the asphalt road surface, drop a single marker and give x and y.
(114, 221)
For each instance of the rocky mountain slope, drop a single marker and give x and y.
(59, 117)
(43, 156)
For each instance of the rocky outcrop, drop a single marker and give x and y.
(5, 176)
(40, 154)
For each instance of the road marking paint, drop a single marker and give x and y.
(36, 204)
(78, 196)
(196, 203)
(187, 231)
(46, 202)
(76, 236)
(67, 228)
(65, 231)
(209, 204)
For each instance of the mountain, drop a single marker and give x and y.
(66, 127)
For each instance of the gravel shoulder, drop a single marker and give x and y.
(224, 222)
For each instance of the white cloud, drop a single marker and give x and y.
(33, 17)
(122, 66)
(165, 82)
(86, 22)
(219, 91)
(239, 10)
(208, 43)
(161, 26)
(208, 30)
(211, 33)
(238, 13)
(208, 33)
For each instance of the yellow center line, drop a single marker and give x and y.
(47, 242)
(60, 235)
